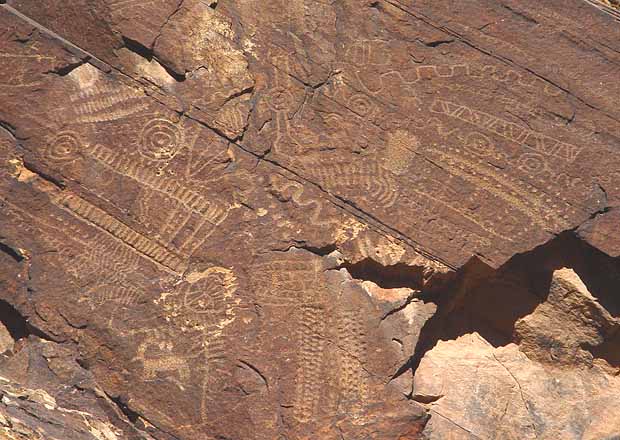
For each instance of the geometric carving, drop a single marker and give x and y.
(286, 281)
(207, 296)
(175, 150)
(353, 381)
(160, 139)
(118, 294)
(119, 5)
(102, 100)
(361, 105)
(191, 199)
(479, 144)
(96, 216)
(525, 137)
(310, 359)
(532, 163)
(297, 195)
(294, 282)
(367, 180)
(401, 148)
(65, 147)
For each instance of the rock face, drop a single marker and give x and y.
(308, 219)
(549, 386)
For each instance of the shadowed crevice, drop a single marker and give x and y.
(438, 43)
(13, 253)
(609, 350)
(149, 55)
(131, 415)
(321, 251)
(17, 325)
(13, 321)
(67, 69)
(8, 127)
(138, 420)
(490, 302)
(387, 277)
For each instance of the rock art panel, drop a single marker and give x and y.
(242, 219)
(338, 367)
(421, 134)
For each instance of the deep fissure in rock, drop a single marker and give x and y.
(388, 277)
(11, 252)
(131, 415)
(17, 325)
(13, 321)
(490, 302)
(149, 55)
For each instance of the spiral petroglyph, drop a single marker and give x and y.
(64, 147)
(160, 139)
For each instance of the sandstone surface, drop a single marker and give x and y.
(309, 219)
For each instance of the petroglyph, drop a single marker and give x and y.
(281, 100)
(120, 5)
(400, 151)
(477, 159)
(286, 281)
(187, 232)
(240, 215)
(375, 83)
(519, 195)
(192, 217)
(428, 72)
(22, 70)
(205, 302)
(104, 270)
(369, 53)
(353, 380)
(431, 201)
(362, 105)
(64, 147)
(209, 294)
(431, 218)
(495, 73)
(27, 222)
(98, 217)
(377, 185)
(310, 358)
(124, 296)
(160, 139)
(191, 200)
(201, 161)
(290, 280)
(98, 99)
(231, 120)
(529, 107)
(480, 161)
(154, 353)
(296, 191)
(508, 130)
